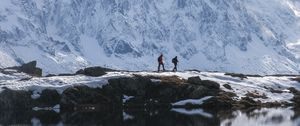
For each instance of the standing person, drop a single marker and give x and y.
(175, 61)
(160, 62)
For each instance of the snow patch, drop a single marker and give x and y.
(192, 112)
(191, 101)
(126, 116)
(126, 98)
(55, 108)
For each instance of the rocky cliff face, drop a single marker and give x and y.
(249, 36)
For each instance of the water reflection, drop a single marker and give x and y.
(263, 117)
(174, 117)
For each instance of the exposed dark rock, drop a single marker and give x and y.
(275, 104)
(194, 80)
(172, 80)
(221, 101)
(48, 98)
(131, 86)
(29, 68)
(296, 98)
(248, 102)
(242, 76)
(13, 99)
(227, 86)
(94, 71)
(83, 97)
(145, 94)
(256, 95)
(249, 75)
(275, 91)
(202, 91)
(50, 75)
(66, 74)
(293, 90)
(296, 79)
(162, 92)
(26, 79)
(211, 84)
(284, 75)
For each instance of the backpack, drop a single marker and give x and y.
(173, 60)
(159, 59)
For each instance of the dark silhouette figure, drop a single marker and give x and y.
(175, 61)
(160, 62)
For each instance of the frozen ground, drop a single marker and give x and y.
(259, 85)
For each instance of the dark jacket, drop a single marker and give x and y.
(160, 59)
(174, 60)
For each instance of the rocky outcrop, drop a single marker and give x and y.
(227, 86)
(94, 71)
(29, 68)
(296, 98)
(194, 80)
(11, 99)
(131, 86)
(48, 98)
(162, 94)
(222, 100)
(85, 98)
(241, 76)
(136, 92)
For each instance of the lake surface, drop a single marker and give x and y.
(174, 117)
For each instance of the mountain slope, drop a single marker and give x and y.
(248, 36)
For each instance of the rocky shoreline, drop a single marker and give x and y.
(144, 93)
(136, 92)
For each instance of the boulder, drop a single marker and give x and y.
(221, 101)
(131, 86)
(171, 80)
(246, 102)
(168, 91)
(94, 71)
(15, 99)
(83, 97)
(296, 98)
(194, 80)
(296, 79)
(30, 68)
(211, 84)
(241, 76)
(293, 90)
(201, 91)
(165, 93)
(227, 86)
(48, 98)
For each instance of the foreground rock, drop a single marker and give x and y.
(85, 98)
(11, 99)
(296, 98)
(137, 92)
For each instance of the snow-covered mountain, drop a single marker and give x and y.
(248, 36)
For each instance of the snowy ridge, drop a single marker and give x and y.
(241, 87)
(243, 36)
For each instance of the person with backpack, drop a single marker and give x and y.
(175, 61)
(160, 62)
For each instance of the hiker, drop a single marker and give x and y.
(175, 61)
(160, 62)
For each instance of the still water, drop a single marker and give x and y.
(174, 117)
